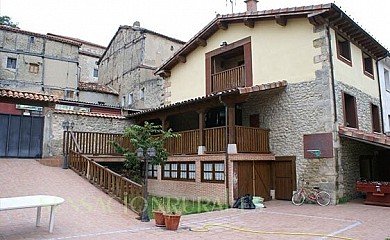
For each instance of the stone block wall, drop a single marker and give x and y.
(53, 133)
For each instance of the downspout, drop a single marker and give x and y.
(380, 90)
(43, 65)
(226, 151)
(332, 73)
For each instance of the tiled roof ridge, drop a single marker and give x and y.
(374, 137)
(97, 87)
(27, 95)
(90, 114)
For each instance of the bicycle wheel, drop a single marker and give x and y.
(298, 198)
(323, 198)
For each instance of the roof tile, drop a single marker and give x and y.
(96, 87)
(27, 95)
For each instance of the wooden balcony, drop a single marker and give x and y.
(228, 79)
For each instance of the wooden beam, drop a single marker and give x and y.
(222, 25)
(201, 42)
(249, 22)
(181, 58)
(281, 20)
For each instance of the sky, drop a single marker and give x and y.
(97, 21)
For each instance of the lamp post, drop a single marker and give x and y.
(66, 125)
(150, 153)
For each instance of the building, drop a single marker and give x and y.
(383, 71)
(129, 62)
(276, 96)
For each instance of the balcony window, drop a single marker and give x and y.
(368, 65)
(344, 50)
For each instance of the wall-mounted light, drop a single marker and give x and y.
(223, 44)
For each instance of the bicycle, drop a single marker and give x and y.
(322, 198)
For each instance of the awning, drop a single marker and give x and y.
(377, 139)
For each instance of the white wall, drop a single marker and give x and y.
(383, 66)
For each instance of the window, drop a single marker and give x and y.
(95, 72)
(130, 99)
(368, 66)
(123, 101)
(213, 172)
(376, 127)
(31, 39)
(343, 50)
(33, 68)
(350, 112)
(387, 80)
(11, 63)
(69, 94)
(182, 171)
(152, 171)
(142, 93)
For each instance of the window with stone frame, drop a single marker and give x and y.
(387, 79)
(213, 172)
(350, 111)
(179, 171)
(376, 127)
(343, 49)
(11, 63)
(33, 68)
(368, 66)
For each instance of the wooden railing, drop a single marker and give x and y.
(252, 140)
(228, 79)
(94, 142)
(187, 143)
(215, 139)
(125, 191)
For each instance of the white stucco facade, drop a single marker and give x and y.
(384, 72)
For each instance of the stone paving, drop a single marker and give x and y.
(88, 213)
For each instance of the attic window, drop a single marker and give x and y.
(31, 39)
(343, 50)
(368, 66)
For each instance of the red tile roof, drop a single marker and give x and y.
(90, 114)
(96, 87)
(27, 95)
(378, 139)
(238, 90)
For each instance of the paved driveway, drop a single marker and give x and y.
(89, 213)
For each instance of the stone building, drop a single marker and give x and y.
(266, 98)
(129, 62)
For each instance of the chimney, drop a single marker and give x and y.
(251, 5)
(136, 24)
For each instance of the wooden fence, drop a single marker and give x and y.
(125, 191)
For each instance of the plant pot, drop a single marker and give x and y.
(159, 218)
(172, 221)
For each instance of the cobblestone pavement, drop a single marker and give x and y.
(88, 213)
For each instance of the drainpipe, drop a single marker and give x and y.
(380, 90)
(226, 151)
(332, 73)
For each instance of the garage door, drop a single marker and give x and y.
(21, 136)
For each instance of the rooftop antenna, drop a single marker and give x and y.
(232, 2)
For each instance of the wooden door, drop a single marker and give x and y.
(245, 178)
(254, 177)
(284, 177)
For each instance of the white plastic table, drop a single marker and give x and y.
(37, 201)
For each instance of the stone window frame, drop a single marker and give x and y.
(11, 62)
(350, 110)
(375, 118)
(368, 65)
(213, 172)
(179, 173)
(344, 53)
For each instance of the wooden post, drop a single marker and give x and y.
(231, 123)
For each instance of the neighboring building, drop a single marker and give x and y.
(263, 99)
(384, 69)
(38, 63)
(129, 62)
(89, 55)
(98, 93)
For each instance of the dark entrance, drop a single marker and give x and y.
(21, 136)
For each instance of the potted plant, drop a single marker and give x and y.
(158, 213)
(172, 220)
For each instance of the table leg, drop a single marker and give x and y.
(51, 224)
(38, 216)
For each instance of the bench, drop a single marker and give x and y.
(36, 201)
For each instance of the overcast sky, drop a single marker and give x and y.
(97, 21)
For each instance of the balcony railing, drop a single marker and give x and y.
(228, 79)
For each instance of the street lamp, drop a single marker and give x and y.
(150, 153)
(66, 125)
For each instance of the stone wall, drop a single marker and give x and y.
(53, 134)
